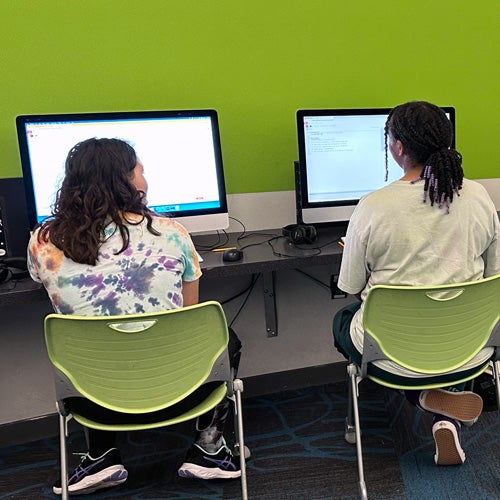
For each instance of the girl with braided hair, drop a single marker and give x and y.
(430, 227)
(428, 145)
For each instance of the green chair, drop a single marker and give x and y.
(142, 363)
(433, 331)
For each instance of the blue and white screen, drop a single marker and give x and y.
(345, 156)
(178, 155)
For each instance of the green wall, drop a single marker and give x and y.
(256, 62)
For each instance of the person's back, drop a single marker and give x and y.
(408, 242)
(431, 227)
(147, 276)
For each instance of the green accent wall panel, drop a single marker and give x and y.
(256, 62)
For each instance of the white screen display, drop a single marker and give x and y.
(345, 156)
(341, 159)
(181, 158)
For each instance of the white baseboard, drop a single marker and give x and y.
(270, 210)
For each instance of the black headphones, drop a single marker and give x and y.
(4, 273)
(300, 233)
(13, 262)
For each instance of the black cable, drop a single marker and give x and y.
(249, 235)
(239, 294)
(245, 301)
(317, 250)
(242, 235)
(217, 244)
(273, 236)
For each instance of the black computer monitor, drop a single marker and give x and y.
(342, 158)
(180, 151)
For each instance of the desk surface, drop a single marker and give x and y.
(265, 251)
(258, 257)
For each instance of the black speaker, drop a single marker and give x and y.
(14, 227)
(298, 192)
(3, 239)
(300, 233)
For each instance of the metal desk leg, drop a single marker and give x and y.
(270, 304)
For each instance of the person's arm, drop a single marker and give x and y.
(190, 292)
(491, 256)
(353, 275)
(31, 260)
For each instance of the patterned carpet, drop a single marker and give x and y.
(298, 452)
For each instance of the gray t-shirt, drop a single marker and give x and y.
(395, 238)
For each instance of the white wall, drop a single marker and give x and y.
(277, 209)
(304, 313)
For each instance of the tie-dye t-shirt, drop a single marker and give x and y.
(146, 277)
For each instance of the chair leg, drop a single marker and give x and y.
(350, 429)
(352, 371)
(496, 376)
(238, 389)
(64, 456)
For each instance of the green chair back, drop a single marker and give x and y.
(138, 363)
(432, 330)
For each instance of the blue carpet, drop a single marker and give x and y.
(298, 452)
(477, 478)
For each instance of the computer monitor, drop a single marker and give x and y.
(342, 158)
(180, 151)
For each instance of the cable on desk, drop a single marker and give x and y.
(244, 229)
(244, 235)
(218, 243)
(273, 236)
(12, 281)
(317, 250)
(221, 243)
(242, 225)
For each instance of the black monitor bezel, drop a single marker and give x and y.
(302, 175)
(23, 120)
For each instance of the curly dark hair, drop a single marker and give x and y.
(427, 135)
(96, 192)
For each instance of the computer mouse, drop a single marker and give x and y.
(232, 255)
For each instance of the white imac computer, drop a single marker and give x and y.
(180, 151)
(342, 158)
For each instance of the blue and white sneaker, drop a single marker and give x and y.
(95, 473)
(201, 464)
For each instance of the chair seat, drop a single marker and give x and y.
(395, 381)
(132, 422)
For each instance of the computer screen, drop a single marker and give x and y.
(341, 159)
(180, 151)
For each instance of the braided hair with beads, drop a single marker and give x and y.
(427, 134)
